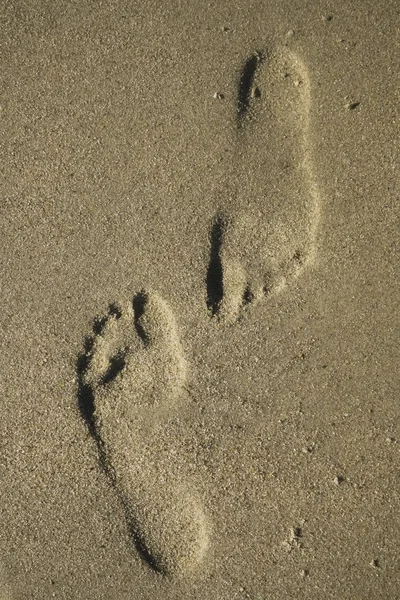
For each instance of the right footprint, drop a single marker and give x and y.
(265, 235)
(131, 377)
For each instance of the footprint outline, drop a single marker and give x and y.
(167, 558)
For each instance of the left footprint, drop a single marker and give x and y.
(130, 377)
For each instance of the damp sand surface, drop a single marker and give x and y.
(199, 225)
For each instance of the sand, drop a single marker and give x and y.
(199, 308)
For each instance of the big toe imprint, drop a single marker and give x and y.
(265, 235)
(131, 378)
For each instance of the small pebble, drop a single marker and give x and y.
(375, 563)
(255, 92)
(304, 573)
(339, 479)
(287, 546)
(295, 533)
(219, 96)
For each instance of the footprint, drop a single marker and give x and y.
(131, 378)
(265, 235)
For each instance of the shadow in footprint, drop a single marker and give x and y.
(139, 304)
(246, 82)
(215, 288)
(85, 395)
(85, 392)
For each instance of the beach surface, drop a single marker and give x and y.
(199, 315)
